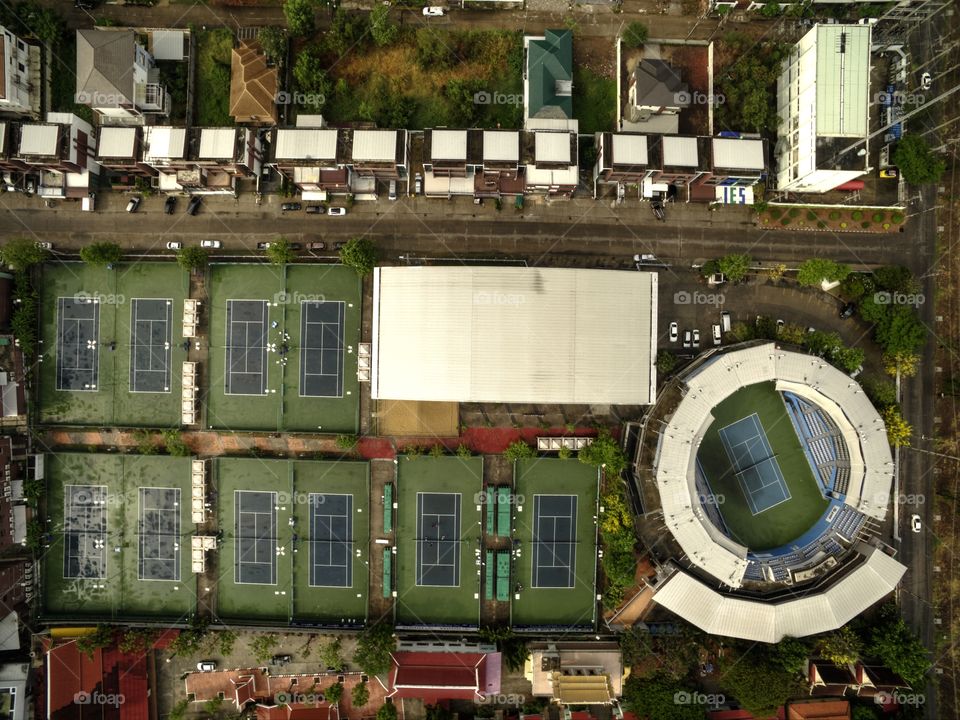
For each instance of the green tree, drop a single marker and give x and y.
(360, 254)
(791, 654)
(814, 271)
(512, 647)
(635, 645)
(841, 647)
(917, 162)
(348, 31)
(279, 252)
(331, 654)
(900, 650)
(179, 710)
(895, 278)
(100, 638)
(433, 54)
(333, 693)
(175, 444)
(273, 40)
(101, 253)
(263, 645)
(299, 16)
(360, 695)
(192, 258)
(900, 330)
(605, 451)
(666, 361)
(346, 442)
(635, 35)
(21, 254)
(759, 685)
(310, 75)
(387, 711)
(518, 450)
(374, 646)
(660, 697)
(383, 30)
(734, 266)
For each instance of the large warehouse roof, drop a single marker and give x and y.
(511, 334)
(719, 614)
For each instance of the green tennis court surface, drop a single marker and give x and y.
(119, 537)
(438, 540)
(283, 348)
(757, 470)
(112, 346)
(557, 533)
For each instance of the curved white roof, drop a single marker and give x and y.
(812, 378)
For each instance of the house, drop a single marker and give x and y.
(681, 159)
(14, 693)
(62, 151)
(10, 165)
(120, 152)
(576, 673)
(165, 151)
(551, 163)
(876, 680)
(254, 85)
(16, 581)
(441, 672)
(376, 155)
(823, 101)
(116, 76)
(622, 159)
(19, 76)
(217, 157)
(501, 172)
(313, 159)
(451, 161)
(548, 81)
(655, 96)
(817, 710)
(828, 679)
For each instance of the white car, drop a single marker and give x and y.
(43, 245)
(915, 523)
(337, 211)
(696, 338)
(174, 245)
(716, 334)
(674, 332)
(686, 338)
(433, 11)
(206, 666)
(926, 80)
(214, 244)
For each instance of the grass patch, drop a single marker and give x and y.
(213, 77)
(63, 79)
(865, 224)
(594, 101)
(173, 76)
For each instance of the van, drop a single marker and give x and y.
(725, 321)
(393, 190)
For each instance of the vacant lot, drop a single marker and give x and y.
(213, 77)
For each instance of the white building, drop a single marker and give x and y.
(823, 100)
(20, 75)
(63, 152)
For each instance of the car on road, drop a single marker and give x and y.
(926, 81)
(316, 246)
(889, 172)
(281, 659)
(716, 334)
(44, 245)
(133, 204)
(433, 11)
(262, 245)
(293, 246)
(696, 338)
(847, 311)
(316, 209)
(207, 665)
(674, 332)
(174, 245)
(213, 244)
(291, 207)
(194, 205)
(170, 204)
(915, 524)
(687, 338)
(417, 184)
(337, 211)
(658, 211)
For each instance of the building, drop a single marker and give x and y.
(548, 81)
(681, 161)
(376, 155)
(165, 151)
(19, 76)
(576, 673)
(823, 101)
(218, 157)
(444, 673)
(622, 159)
(655, 96)
(62, 151)
(254, 87)
(551, 160)
(313, 159)
(14, 695)
(120, 153)
(117, 77)
(507, 334)
(451, 161)
(501, 174)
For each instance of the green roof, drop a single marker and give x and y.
(550, 75)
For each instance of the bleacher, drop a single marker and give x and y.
(826, 452)
(848, 523)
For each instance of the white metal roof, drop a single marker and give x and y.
(508, 334)
(629, 149)
(501, 146)
(448, 144)
(217, 143)
(843, 79)
(167, 44)
(738, 153)
(375, 145)
(162, 142)
(807, 614)
(680, 151)
(552, 147)
(117, 142)
(38, 139)
(306, 144)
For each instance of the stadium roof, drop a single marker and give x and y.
(509, 334)
(871, 464)
(770, 622)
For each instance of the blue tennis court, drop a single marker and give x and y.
(754, 464)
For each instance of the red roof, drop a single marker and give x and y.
(433, 676)
(297, 711)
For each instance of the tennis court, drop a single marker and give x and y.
(438, 539)
(78, 331)
(246, 347)
(159, 533)
(754, 463)
(331, 540)
(321, 349)
(151, 339)
(256, 536)
(554, 541)
(85, 531)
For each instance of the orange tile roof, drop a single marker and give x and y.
(253, 85)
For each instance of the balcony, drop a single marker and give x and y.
(152, 98)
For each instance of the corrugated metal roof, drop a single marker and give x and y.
(375, 145)
(306, 144)
(552, 147)
(680, 151)
(448, 144)
(163, 142)
(117, 142)
(501, 145)
(843, 80)
(217, 143)
(629, 149)
(738, 153)
(167, 44)
(488, 334)
(38, 139)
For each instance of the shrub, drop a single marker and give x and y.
(437, 450)
(878, 217)
(346, 442)
(821, 224)
(897, 217)
(463, 451)
(886, 226)
(834, 215)
(564, 453)
(865, 224)
(811, 215)
(856, 215)
(843, 226)
(775, 213)
(635, 35)
(518, 450)
(793, 212)
(785, 221)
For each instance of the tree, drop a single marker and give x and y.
(373, 649)
(279, 252)
(383, 30)
(262, 646)
(900, 650)
(101, 253)
(512, 647)
(348, 31)
(299, 15)
(666, 362)
(660, 697)
(23, 253)
(734, 266)
(814, 271)
(895, 278)
(635, 35)
(100, 638)
(636, 645)
(273, 40)
(841, 647)
(360, 254)
(333, 693)
(518, 450)
(759, 685)
(605, 451)
(192, 258)
(791, 654)
(175, 444)
(309, 72)
(387, 711)
(900, 331)
(904, 363)
(360, 695)
(848, 359)
(899, 430)
(916, 161)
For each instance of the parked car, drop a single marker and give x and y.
(392, 194)
(337, 211)
(686, 338)
(194, 205)
(206, 665)
(658, 212)
(43, 245)
(316, 209)
(716, 334)
(281, 659)
(133, 204)
(294, 246)
(433, 11)
(674, 332)
(926, 80)
(339, 245)
(316, 246)
(212, 244)
(696, 338)
(170, 204)
(889, 172)
(262, 245)
(291, 207)
(417, 184)
(915, 524)
(847, 310)
(174, 245)
(725, 321)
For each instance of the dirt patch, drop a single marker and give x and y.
(597, 54)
